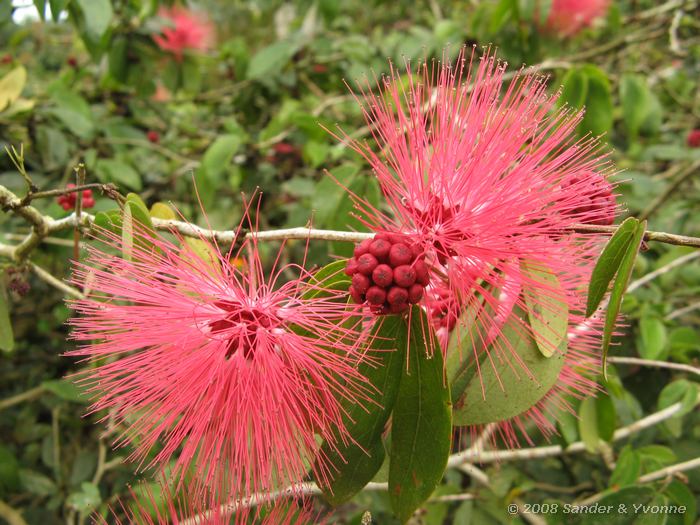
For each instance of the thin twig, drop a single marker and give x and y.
(683, 175)
(29, 395)
(10, 515)
(654, 364)
(682, 311)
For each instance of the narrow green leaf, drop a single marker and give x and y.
(681, 495)
(574, 88)
(7, 338)
(109, 220)
(598, 118)
(330, 277)
(605, 416)
(496, 395)
(97, 16)
(354, 464)
(547, 308)
(588, 424)
(619, 287)
(127, 232)
(608, 263)
(421, 425)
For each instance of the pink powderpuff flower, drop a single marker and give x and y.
(171, 508)
(209, 363)
(568, 17)
(185, 30)
(485, 178)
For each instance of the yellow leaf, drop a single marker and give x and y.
(160, 210)
(11, 86)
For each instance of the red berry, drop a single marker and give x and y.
(72, 61)
(397, 238)
(376, 295)
(362, 248)
(383, 236)
(356, 296)
(415, 293)
(366, 263)
(397, 295)
(6, 59)
(400, 254)
(422, 272)
(693, 139)
(383, 275)
(153, 136)
(416, 250)
(404, 275)
(351, 267)
(380, 249)
(360, 282)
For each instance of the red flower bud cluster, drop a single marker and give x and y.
(153, 136)
(388, 272)
(67, 201)
(600, 209)
(693, 139)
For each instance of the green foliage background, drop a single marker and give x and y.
(250, 114)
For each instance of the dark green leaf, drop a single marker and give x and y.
(496, 395)
(682, 391)
(7, 338)
(547, 308)
(608, 263)
(421, 423)
(627, 469)
(619, 287)
(41, 8)
(271, 59)
(109, 220)
(606, 416)
(636, 101)
(354, 464)
(624, 498)
(681, 495)
(87, 499)
(36, 483)
(9, 470)
(57, 7)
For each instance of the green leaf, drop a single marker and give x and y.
(330, 277)
(421, 431)
(639, 105)
(97, 15)
(271, 59)
(623, 498)
(682, 391)
(9, 471)
(460, 365)
(627, 469)
(137, 219)
(608, 263)
(681, 495)
(619, 287)
(66, 390)
(354, 464)
(574, 88)
(36, 483)
(11, 86)
(57, 7)
(127, 233)
(588, 425)
(161, 210)
(40, 8)
(7, 338)
(109, 220)
(653, 332)
(568, 426)
(113, 170)
(499, 394)
(598, 118)
(87, 499)
(547, 308)
(605, 417)
(216, 164)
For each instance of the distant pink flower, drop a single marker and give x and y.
(693, 139)
(161, 94)
(567, 17)
(185, 31)
(484, 178)
(216, 367)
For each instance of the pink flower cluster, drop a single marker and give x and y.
(184, 31)
(568, 17)
(233, 374)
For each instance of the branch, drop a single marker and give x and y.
(10, 515)
(655, 364)
(19, 398)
